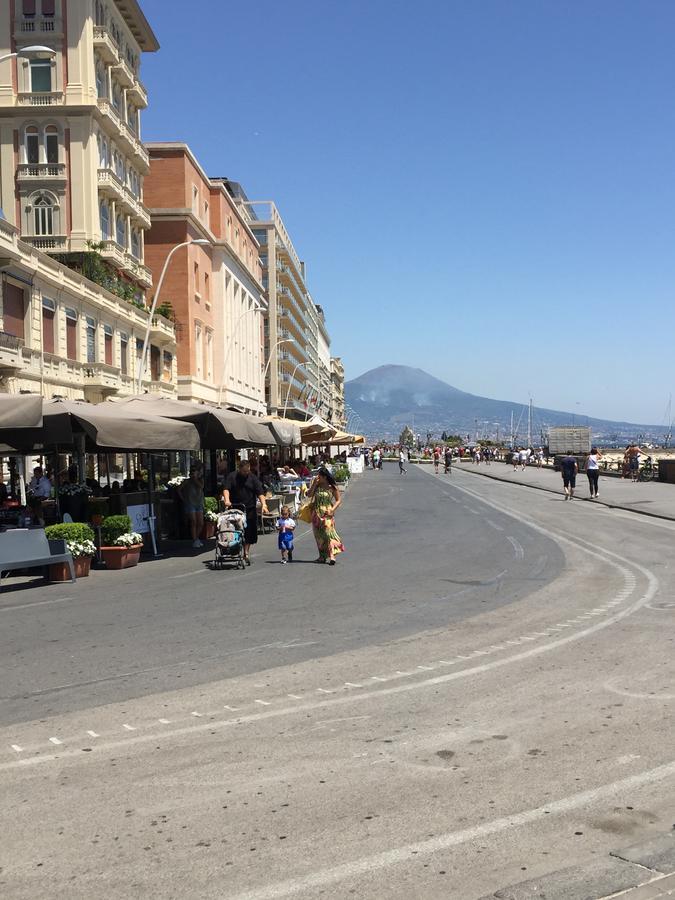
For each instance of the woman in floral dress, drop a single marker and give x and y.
(325, 499)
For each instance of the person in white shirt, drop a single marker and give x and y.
(593, 471)
(40, 486)
(285, 529)
(402, 459)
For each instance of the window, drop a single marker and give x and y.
(29, 7)
(32, 145)
(121, 232)
(196, 278)
(155, 362)
(101, 81)
(206, 209)
(207, 287)
(104, 214)
(124, 353)
(108, 344)
(91, 340)
(199, 349)
(43, 213)
(167, 365)
(117, 98)
(139, 354)
(13, 309)
(103, 152)
(195, 200)
(100, 13)
(71, 334)
(48, 315)
(135, 245)
(209, 356)
(52, 144)
(40, 75)
(48, 7)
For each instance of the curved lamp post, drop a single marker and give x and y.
(246, 312)
(273, 351)
(288, 392)
(34, 52)
(146, 340)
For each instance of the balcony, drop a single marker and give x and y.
(288, 322)
(123, 133)
(50, 25)
(52, 173)
(53, 243)
(105, 46)
(123, 73)
(110, 185)
(136, 270)
(138, 94)
(162, 329)
(113, 252)
(46, 98)
(102, 379)
(11, 358)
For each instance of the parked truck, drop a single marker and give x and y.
(569, 440)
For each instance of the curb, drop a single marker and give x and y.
(539, 487)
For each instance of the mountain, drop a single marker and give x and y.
(390, 397)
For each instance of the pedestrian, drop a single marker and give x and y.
(524, 455)
(569, 469)
(243, 489)
(376, 459)
(593, 471)
(285, 529)
(448, 460)
(191, 492)
(633, 453)
(540, 457)
(324, 497)
(515, 459)
(477, 455)
(402, 459)
(437, 459)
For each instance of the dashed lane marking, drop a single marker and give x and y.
(16, 748)
(93, 734)
(55, 740)
(164, 721)
(128, 727)
(263, 702)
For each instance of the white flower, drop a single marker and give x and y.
(178, 480)
(130, 539)
(81, 548)
(210, 516)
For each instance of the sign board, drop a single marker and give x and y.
(355, 464)
(139, 518)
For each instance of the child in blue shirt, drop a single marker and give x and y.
(286, 527)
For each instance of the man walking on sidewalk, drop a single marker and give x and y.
(402, 459)
(568, 470)
(448, 461)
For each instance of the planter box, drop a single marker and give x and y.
(61, 572)
(208, 531)
(121, 557)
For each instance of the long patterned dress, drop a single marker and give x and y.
(323, 524)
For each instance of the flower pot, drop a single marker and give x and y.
(61, 572)
(209, 530)
(121, 557)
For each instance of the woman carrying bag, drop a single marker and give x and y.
(323, 498)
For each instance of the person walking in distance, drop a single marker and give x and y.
(402, 459)
(593, 471)
(515, 459)
(437, 459)
(568, 470)
(242, 488)
(633, 453)
(376, 459)
(447, 459)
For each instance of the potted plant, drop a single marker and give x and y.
(73, 500)
(341, 476)
(120, 546)
(79, 540)
(210, 517)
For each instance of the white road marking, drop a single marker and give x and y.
(36, 603)
(494, 525)
(232, 708)
(164, 721)
(292, 696)
(352, 684)
(93, 734)
(324, 691)
(16, 748)
(518, 551)
(128, 727)
(263, 702)
(54, 740)
(197, 715)
(379, 861)
(377, 678)
(426, 668)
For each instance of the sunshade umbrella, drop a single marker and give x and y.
(286, 431)
(316, 428)
(20, 411)
(218, 428)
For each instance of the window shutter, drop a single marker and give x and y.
(48, 7)
(13, 310)
(47, 330)
(71, 334)
(29, 7)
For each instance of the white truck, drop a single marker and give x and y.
(569, 440)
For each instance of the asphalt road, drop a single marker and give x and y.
(413, 563)
(479, 693)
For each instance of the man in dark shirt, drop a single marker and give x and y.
(569, 469)
(243, 488)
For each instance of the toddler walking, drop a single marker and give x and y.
(286, 527)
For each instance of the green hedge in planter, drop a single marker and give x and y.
(210, 504)
(341, 473)
(113, 527)
(76, 532)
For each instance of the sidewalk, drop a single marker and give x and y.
(650, 498)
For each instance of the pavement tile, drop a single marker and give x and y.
(657, 854)
(598, 879)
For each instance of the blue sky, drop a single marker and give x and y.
(485, 190)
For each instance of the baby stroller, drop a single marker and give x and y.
(230, 538)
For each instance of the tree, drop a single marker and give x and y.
(407, 438)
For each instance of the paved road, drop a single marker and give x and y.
(479, 694)
(413, 564)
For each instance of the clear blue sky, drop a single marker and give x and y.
(485, 190)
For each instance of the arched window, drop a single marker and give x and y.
(104, 215)
(101, 81)
(32, 145)
(121, 232)
(52, 144)
(43, 213)
(100, 13)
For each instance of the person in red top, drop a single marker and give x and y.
(437, 458)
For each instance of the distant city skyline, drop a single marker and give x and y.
(481, 190)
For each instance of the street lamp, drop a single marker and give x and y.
(246, 312)
(272, 351)
(35, 52)
(146, 340)
(288, 392)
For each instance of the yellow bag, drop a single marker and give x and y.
(305, 512)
